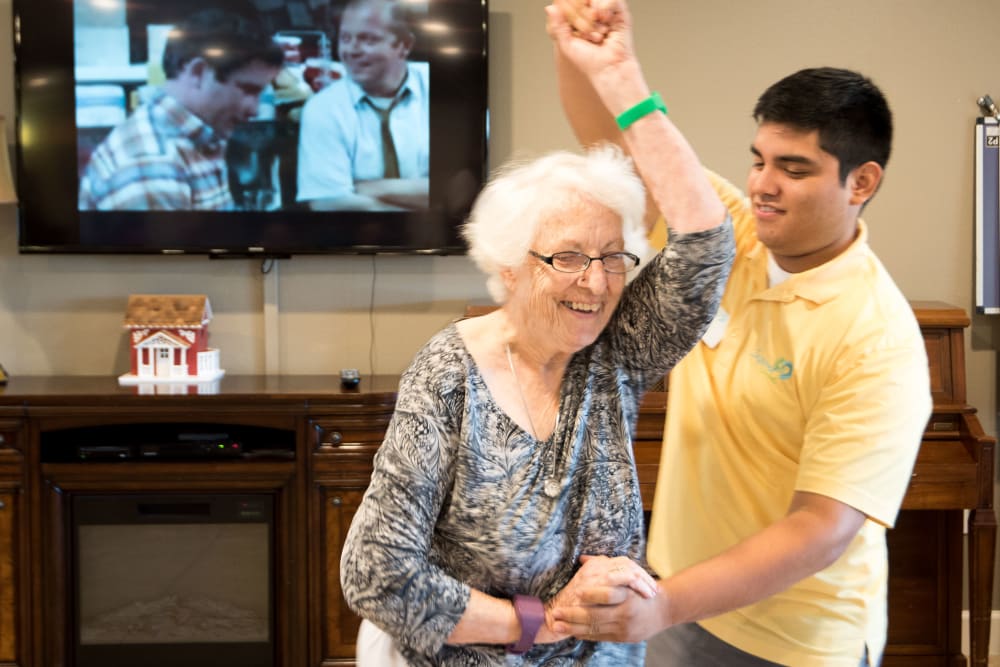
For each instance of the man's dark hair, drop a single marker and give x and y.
(226, 40)
(850, 112)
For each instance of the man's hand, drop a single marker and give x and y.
(608, 599)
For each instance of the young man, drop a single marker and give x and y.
(170, 153)
(365, 138)
(793, 425)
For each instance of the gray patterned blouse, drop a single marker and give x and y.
(458, 496)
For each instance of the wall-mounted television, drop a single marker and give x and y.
(83, 68)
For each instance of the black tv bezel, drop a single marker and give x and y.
(46, 149)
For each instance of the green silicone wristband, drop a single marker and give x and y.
(652, 103)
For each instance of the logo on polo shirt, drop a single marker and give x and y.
(781, 369)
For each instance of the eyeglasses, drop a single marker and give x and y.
(575, 262)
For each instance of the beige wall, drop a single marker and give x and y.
(709, 59)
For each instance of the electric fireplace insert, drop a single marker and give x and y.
(167, 580)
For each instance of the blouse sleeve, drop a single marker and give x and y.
(667, 308)
(385, 571)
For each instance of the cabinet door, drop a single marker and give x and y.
(339, 623)
(342, 448)
(925, 590)
(9, 588)
(13, 618)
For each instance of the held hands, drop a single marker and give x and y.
(590, 19)
(595, 35)
(608, 599)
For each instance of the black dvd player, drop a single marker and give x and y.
(168, 442)
(181, 449)
(217, 447)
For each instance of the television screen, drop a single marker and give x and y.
(249, 127)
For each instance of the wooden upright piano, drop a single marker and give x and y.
(953, 473)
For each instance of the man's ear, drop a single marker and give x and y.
(864, 182)
(406, 44)
(195, 70)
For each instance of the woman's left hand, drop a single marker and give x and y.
(607, 580)
(602, 580)
(595, 49)
(602, 600)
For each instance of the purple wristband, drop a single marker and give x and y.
(531, 614)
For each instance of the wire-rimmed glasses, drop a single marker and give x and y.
(575, 262)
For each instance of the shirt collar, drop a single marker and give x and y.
(819, 284)
(172, 113)
(358, 94)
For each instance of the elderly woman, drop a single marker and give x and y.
(509, 455)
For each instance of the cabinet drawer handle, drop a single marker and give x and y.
(336, 501)
(2, 504)
(334, 438)
(3, 438)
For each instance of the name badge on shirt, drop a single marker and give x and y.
(717, 329)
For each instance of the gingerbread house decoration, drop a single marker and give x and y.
(168, 335)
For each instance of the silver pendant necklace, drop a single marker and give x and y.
(551, 487)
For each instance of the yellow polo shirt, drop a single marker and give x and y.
(819, 384)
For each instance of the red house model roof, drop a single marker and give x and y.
(175, 311)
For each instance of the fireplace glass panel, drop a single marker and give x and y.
(173, 580)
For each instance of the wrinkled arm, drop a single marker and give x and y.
(590, 121)
(663, 157)
(487, 620)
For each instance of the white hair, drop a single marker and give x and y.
(505, 218)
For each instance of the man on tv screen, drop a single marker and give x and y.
(170, 153)
(364, 139)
